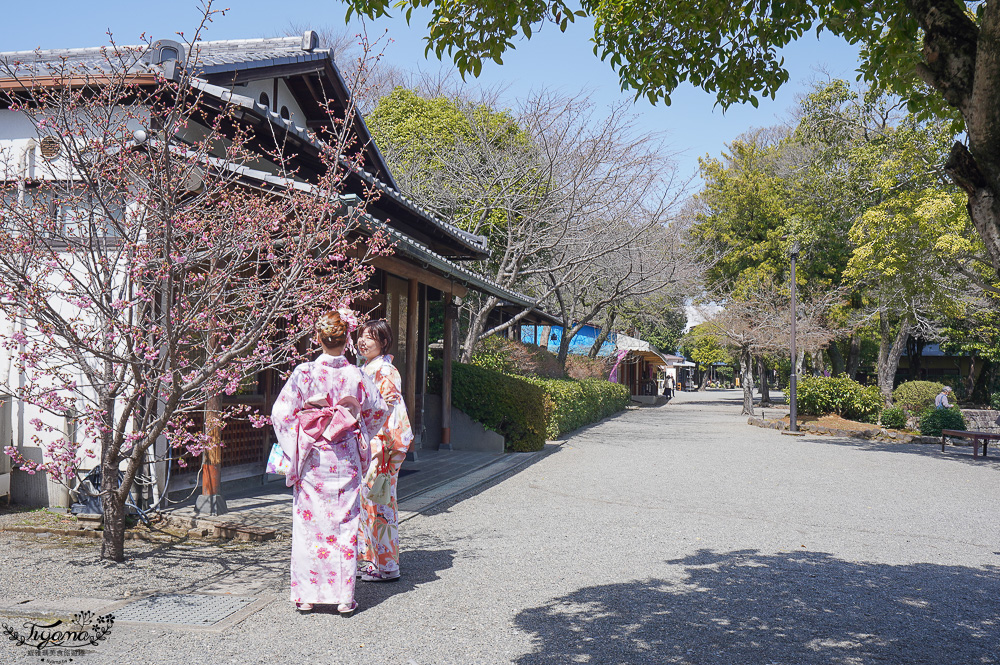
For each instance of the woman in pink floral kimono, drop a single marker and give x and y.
(314, 419)
(379, 541)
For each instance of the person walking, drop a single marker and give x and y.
(325, 418)
(668, 387)
(941, 401)
(379, 537)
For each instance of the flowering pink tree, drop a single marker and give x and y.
(144, 273)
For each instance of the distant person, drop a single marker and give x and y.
(941, 401)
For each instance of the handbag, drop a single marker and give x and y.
(381, 489)
(278, 462)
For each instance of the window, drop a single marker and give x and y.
(284, 113)
(76, 213)
(265, 100)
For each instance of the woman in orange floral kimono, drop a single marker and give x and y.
(378, 542)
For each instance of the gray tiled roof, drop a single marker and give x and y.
(217, 57)
(401, 242)
(213, 57)
(476, 241)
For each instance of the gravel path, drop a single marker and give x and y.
(676, 534)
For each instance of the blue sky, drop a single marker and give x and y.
(692, 125)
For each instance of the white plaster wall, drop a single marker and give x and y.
(285, 97)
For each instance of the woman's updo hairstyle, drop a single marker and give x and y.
(381, 332)
(332, 330)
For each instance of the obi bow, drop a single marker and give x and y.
(320, 424)
(329, 423)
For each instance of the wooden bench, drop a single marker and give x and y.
(984, 437)
(983, 429)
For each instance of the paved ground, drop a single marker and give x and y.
(434, 476)
(675, 534)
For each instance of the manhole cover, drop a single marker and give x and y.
(180, 608)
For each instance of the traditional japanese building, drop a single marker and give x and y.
(284, 88)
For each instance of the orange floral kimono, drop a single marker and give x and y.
(378, 540)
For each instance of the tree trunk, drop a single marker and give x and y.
(703, 384)
(970, 381)
(853, 356)
(960, 62)
(765, 388)
(889, 350)
(564, 341)
(476, 328)
(914, 354)
(543, 336)
(113, 536)
(603, 336)
(981, 390)
(837, 363)
(746, 377)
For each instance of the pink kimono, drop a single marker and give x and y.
(326, 501)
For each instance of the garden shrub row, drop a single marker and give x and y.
(820, 395)
(572, 404)
(527, 410)
(508, 405)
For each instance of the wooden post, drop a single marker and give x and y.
(211, 500)
(450, 315)
(412, 343)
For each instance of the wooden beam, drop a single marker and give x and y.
(450, 316)
(74, 80)
(412, 343)
(409, 271)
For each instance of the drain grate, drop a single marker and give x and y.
(180, 608)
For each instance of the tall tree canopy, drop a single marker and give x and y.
(941, 56)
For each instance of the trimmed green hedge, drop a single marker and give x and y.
(932, 421)
(527, 410)
(572, 404)
(820, 395)
(508, 405)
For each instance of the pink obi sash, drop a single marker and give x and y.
(322, 427)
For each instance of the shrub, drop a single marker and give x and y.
(503, 355)
(573, 404)
(932, 421)
(508, 405)
(527, 410)
(915, 396)
(995, 401)
(819, 395)
(581, 367)
(894, 418)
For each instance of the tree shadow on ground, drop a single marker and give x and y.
(961, 454)
(746, 607)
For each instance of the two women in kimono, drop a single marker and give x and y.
(326, 495)
(379, 538)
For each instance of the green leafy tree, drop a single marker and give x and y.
(704, 348)
(941, 56)
(742, 217)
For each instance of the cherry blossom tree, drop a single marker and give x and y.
(145, 271)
